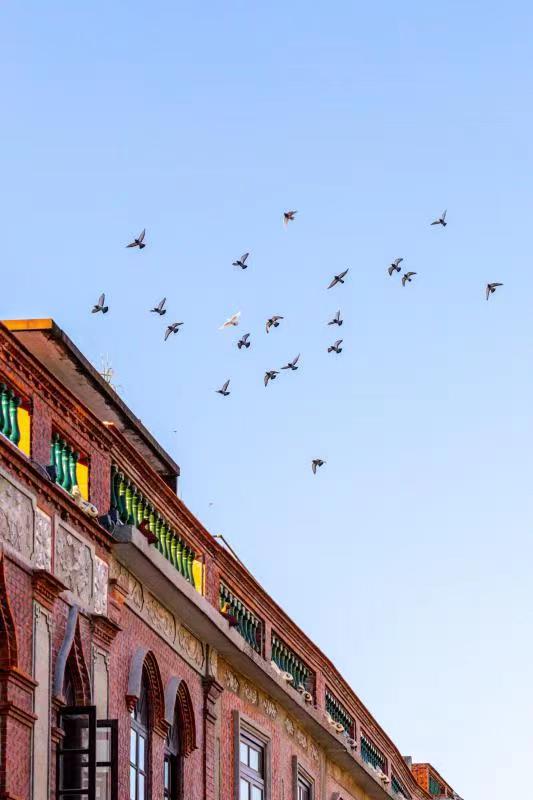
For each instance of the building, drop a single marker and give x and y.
(138, 658)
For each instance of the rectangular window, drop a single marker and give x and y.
(303, 785)
(76, 755)
(106, 760)
(251, 767)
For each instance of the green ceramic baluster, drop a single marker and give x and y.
(14, 434)
(134, 505)
(157, 533)
(6, 397)
(151, 518)
(165, 538)
(72, 462)
(123, 511)
(113, 489)
(3, 390)
(129, 502)
(190, 560)
(179, 555)
(56, 445)
(173, 549)
(65, 456)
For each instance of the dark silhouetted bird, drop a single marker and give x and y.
(288, 216)
(270, 375)
(273, 322)
(160, 307)
(338, 279)
(395, 266)
(224, 389)
(292, 364)
(139, 241)
(406, 277)
(491, 288)
(174, 328)
(441, 220)
(100, 306)
(335, 347)
(243, 341)
(336, 319)
(241, 262)
(316, 462)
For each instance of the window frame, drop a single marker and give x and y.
(145, 732)
(259, 740)
(90, 750)
(301, 776)
(112, 724)
(174, 758)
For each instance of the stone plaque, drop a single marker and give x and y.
(74, 565)
(16, 518)
(42, 545)
(100, 585)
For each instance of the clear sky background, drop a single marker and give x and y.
(408, 558)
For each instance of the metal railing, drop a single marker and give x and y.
(339, 714)
(245, 622)
(288, 661)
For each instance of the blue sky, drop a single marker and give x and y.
(408, 557)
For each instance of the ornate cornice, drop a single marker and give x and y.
(46, 588)
(104, 630)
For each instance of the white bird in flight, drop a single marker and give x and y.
(233, 321)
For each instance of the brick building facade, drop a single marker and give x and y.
(138, 658)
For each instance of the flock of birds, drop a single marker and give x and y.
(274, 321)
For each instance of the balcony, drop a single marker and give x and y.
(130, 507)
(398, 787)
(246, 623)
(70, 467)
(372, 754)
(339, 714)
(15, 420)
(288, 661)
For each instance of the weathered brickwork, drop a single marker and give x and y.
(115, 620)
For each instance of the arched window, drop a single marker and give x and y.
(140, 745)
(172, 764)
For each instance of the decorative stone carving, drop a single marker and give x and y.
(270, 708)
(213, 662)
(42, 543)
(232, 682)
(16, 518)
(135, 593)
(289, 726)
(100, 585)
(250, 693)
(301, 738)
(191, 646)
(160, 619)
(74, 565)
(313, 749)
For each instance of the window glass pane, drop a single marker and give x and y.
(244, 753)
(166, 774)
(103, 744)
(257, 793)
(133, 783)
(254, 759)
(244, 793)
(73, 775)
(76, 729)
(133, 746)
(141, 787)
(103, 783)
(141, 752)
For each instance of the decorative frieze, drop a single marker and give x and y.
(232, 682)
(101, 577)
(42, 542)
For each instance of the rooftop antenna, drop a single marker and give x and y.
(229, 547)
(107, 373)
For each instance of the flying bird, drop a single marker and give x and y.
(100, 306)
(174, 328)
(491, 288)
(272, 322)
(241, 262)
(160, 307)
(288, 216)
(270, 375)
(316, 462)
(232, 321)
(441, 220)
(395, 266)
(224, 389)
(335, 348)
(336, 319)
(338, 279)
(139, 241)
(292, 364)
(406, 277)
(243, 341)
